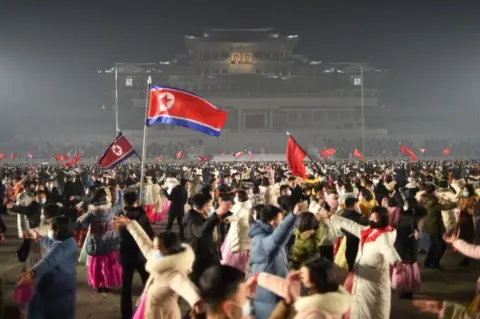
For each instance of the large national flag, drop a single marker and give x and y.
(406, 151)
(295, 157)
(174, 106)
(117, 152)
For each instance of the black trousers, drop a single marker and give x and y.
(3, 227)
(128, 270)
(436, 250)
(327, 252)
(171, 219)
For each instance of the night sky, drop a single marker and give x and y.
(49, 53)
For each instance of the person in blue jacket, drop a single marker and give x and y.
(270, 234)
(54, 277)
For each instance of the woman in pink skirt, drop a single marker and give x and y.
(406, 276)
(104, 270)
(237, 244)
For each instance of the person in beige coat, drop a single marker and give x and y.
(168, 262)
(325, 299)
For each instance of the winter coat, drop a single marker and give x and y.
(239, 224)
(129, 251)
(304, 247)
(168, 278)
(199, 235)
(330, 305)
(103, 238)
(405, 243)
(448, 215)
(268, 254)
(55, 277)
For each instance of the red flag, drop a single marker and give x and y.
(159, 158)
(423, 150)
(295, 157)
(60, 157)
(357, 154)
(2, 156)
(74, 161)
(30, 155)
(446, 151)
(328, 152)
(173, 106)
(406, 151)
(180, 154)
(117, 152)
(202, 158)
(250, 155)
(13, 156)
(237, 154)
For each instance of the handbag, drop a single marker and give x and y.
(24, 250)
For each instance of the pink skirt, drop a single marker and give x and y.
(406, 278)
(149, 212)
(140, 312)
(104, 271)
(238, 260)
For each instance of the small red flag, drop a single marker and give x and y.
(237, 154)
(447, 151)
(295, 157)
(13, 156)
(406, 151)
(180, 154)
(74, 160)
(423, 150)
(357, 154)
(30, 155)
(2, 156)
(328, 152)
(60, 157)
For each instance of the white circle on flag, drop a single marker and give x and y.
(166, 101)
(117, 150)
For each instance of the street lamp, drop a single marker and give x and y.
(363, 109)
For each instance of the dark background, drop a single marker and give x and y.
(50, 50)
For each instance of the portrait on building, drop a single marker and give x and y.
(236, 59)
(247, 58)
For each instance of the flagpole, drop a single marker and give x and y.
(144, 144)
(117, 129)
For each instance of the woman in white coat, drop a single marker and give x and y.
(371, 288)
(237, 244)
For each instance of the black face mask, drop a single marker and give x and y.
(374, 224)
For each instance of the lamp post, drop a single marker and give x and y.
(363, 109)
(117, 129)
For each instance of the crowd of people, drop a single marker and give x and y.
(254, 241)
(374, 148)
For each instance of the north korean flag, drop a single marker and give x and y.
(117, 152)
(174, 106)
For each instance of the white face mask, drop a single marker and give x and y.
(43, 200)
(405, 207)
(289, 193)
(236, 200)
(466, 194)
(376, 181)
(212, 211)
(50, 234)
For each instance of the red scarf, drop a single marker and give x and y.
(371, 234)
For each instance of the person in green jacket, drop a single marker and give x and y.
(309, 236)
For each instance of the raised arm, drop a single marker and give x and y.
(277, 285)
(200, 230)
(352, 227)
(141, 238)
(280, 235)
(59, 250)
(467, 249)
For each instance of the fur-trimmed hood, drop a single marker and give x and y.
(332, 302)
(181, 262)
(94, 208)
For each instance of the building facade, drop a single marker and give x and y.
(263, 85)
